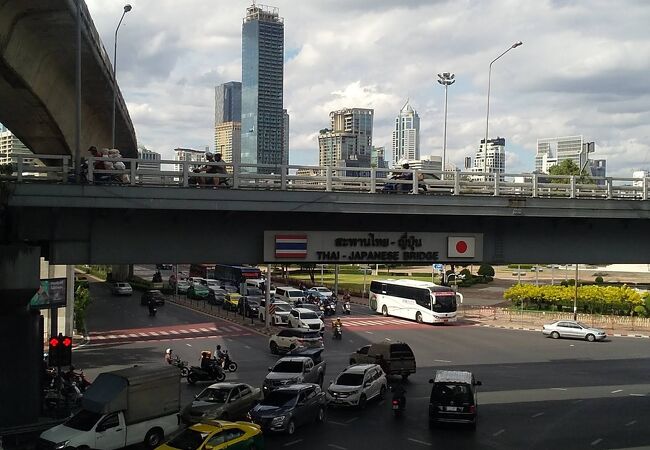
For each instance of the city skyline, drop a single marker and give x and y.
(571, 76)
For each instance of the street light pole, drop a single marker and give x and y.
(487, 117)
(446, 79)
(127, 8)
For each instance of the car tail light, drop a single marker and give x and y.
(395, 402)
(472, 409)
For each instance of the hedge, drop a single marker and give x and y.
(620, 300)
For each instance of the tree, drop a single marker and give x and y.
(81, 302)
(599, 280)
(486, 270)
(568, 167)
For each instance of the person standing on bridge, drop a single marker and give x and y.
(221, 169)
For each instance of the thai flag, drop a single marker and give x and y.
(291, 246)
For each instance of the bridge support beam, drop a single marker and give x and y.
(21, 361)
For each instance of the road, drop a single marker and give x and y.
(537, 393)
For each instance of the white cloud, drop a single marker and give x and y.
(583, 69)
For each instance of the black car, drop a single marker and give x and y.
(248, 307)
(289, 407)
(453, 398)
(154, 294)
(164, 267)
(216, 296)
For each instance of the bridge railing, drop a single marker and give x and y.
(172, 173)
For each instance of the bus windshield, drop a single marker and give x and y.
(443, 302)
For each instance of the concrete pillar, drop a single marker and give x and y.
(69, 307)
(20, 365)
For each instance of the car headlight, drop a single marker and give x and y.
(278, 420)
(61, 445)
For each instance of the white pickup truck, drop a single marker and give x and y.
(138, 405)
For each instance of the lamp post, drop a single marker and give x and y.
(487, 118)
(446, 79)
(127, 8)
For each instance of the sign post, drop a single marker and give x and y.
(267, 296)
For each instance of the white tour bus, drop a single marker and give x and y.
(416, 300)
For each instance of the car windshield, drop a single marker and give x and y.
(280, 399)
(288, 367)
(309, 307)
(254, 291)
(83, 420)
(322, 289)
(310, 335)
(350, 379)
(308, 315)
(214, 395)
(444, 302)
(283, 308)
(188, 440)
(213, 283)
(295, 293)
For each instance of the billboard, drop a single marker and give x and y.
(354, 247)
(51, 294)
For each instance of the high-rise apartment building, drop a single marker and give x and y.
(227, 102)
(552, 151)
(187, 154)
(11, 147)
(491, 159)
(152, 164)
(348, 143)
(285, 137)
(228, 141)
(262, 136)
(406, 135)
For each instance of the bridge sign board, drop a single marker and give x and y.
(354, 247)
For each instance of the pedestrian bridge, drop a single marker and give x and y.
(37, 79)
(152, 216)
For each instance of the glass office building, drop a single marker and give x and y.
(227, 102)
(262, 118)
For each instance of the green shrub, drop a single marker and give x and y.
(486, 270)
(520, 266)
(599, 280)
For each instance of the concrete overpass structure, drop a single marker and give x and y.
(37, 79)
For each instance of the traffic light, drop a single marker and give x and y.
(60, 351)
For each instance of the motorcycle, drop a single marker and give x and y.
(346, 308)
(399, 402)
(152, 311)
(215, 373)
(338, 332)
(182, 365)
(330, 309)
(228, 364)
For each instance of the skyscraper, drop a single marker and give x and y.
(227, 102)
(262, 95)
(11, 147)
(348, 143)
(285, 137)
(552, 151)
(491, 159)
(406, 135)
(228, 141)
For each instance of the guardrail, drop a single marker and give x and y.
(171, 173)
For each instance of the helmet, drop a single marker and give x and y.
(218, 347)
(168, 351)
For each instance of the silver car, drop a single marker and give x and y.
(122, 289)
(573, 329)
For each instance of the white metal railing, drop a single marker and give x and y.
(59, 169)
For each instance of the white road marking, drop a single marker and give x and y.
(111, 336)
(337, 423)
(194, 330)
(153, 333)
(617, 390)
(247, 347)
(143, 334)
(596, 442)
(558, 389)
(99, 337)
(637, 395)
(630, 423)
(351, 420)
(370, 332)
(442, 360)
(174, 332)
(429, 444)
(336, 446)
(388, 339)
(537, 415)
(499, 432)
(292, 442)
(133, 335)
(189, 345)
(204, 329)
(184, 331)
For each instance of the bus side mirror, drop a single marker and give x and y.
(431, 380)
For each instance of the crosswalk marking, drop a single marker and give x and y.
(174, 332)
(153, 333)
(204, 329)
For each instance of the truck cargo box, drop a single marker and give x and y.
(142, 392)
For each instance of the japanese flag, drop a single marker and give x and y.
(461, 247)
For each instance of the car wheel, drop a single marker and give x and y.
(291, 428)
(320, 417)
(418, 317)
(382, 392)
(555, 335)
(384, 310)
(405, 376)
(220, 377)
(154, 438)
(362, 401)
(274, 348)
(192, 378)
(590, 337)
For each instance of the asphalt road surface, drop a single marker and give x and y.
(537, 393)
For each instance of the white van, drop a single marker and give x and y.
(289, 294)
(258, 283)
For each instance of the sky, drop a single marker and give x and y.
(583, 69)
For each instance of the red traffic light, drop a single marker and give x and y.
(67, 342)
(54, 342)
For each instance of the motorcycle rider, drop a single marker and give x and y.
(168, 356)
(151, 304)
(399, 394)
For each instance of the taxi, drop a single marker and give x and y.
(231, 302)
(217, 435)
